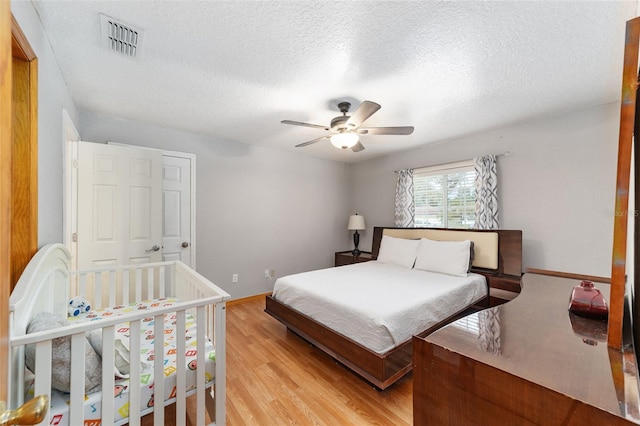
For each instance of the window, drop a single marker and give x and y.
(470, 324)
(445, 196)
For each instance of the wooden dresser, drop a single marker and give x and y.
(522, 363)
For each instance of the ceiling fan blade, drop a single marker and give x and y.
(402, 130)
(300, 123)
(357, 147)
(300, 145)
(364, 111)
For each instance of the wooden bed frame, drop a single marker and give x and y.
(382, 370)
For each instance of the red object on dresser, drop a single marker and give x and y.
(586, 300)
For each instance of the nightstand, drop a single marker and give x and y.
(347, 258)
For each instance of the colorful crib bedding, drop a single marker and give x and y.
(92, 406)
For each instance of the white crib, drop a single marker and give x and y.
(47, 285)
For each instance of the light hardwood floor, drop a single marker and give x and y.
(276, 378)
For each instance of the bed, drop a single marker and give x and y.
(366, 330)
(152, 329)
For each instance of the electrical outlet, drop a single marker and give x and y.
(234, 278)
(272, 272)
(266, 273)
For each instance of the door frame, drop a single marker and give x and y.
(18, 167)
(70, 139)
(5, 191)
(72, 186)
(24, 167)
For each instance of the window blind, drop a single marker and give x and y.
(445, 198)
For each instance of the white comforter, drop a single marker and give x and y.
(378, 305)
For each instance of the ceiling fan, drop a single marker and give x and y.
(346, 129)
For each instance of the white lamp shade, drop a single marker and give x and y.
(356, 223)
(344, 140)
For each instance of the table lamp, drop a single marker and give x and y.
(356, 223)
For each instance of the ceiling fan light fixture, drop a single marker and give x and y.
(347, 128)
(344, 140)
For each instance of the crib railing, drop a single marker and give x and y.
(122, 285)
(77, 332)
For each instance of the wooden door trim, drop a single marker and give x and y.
(24, 169)
(20, 47)
(5, 189)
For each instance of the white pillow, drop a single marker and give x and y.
(398, 251)
(445, 257)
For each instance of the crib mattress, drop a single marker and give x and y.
(92, 406)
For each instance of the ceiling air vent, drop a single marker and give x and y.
(120, 38)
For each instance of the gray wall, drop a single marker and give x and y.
(53, 96)
(257, 208)
(557, 186)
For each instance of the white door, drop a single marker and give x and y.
(176, 199)
(119, 205)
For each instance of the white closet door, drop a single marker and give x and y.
(176, 199)
(119, 205)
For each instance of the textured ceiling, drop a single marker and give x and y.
(235, 69)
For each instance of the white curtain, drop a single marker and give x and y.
(405, 207)
(486, 192)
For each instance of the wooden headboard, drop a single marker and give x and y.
(508, 251)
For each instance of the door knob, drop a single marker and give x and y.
(185, 244)
(154, 248)
(31, 412)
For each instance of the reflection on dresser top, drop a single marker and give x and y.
(536, 339)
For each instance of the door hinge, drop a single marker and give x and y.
(74, 237)
(74, 163)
